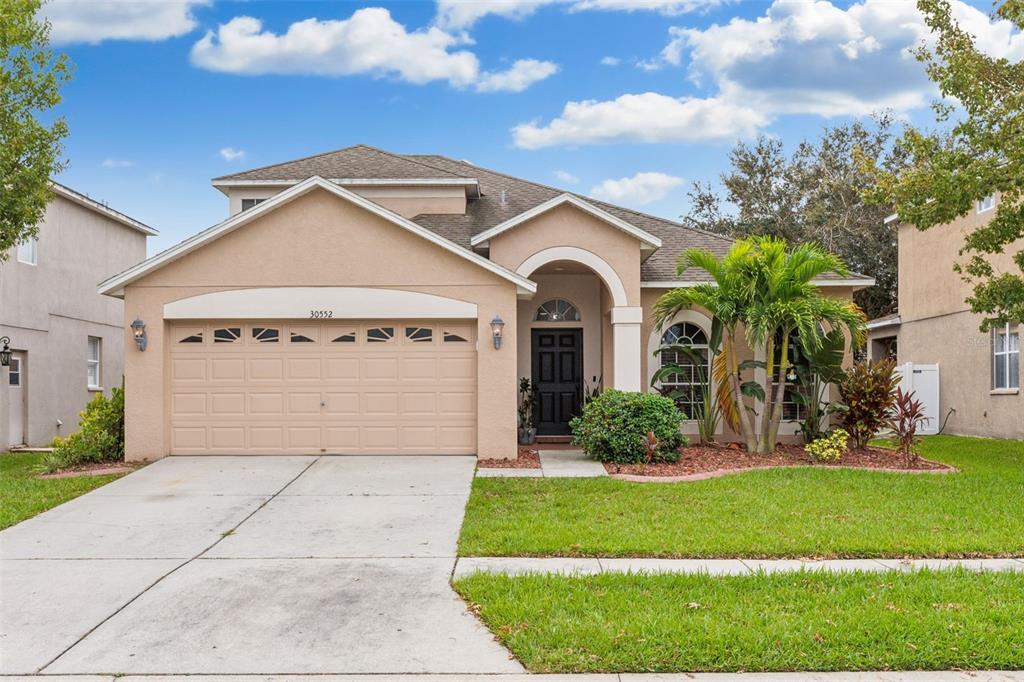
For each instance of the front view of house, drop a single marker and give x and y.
(363, 302)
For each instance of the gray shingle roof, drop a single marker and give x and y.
(359, 161)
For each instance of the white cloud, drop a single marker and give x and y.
(647, 117)
(76, 21)
(610, 61)
(642, 188)
(567, 177)
(117, 163)
(230, 154)
(522, 74)
(461, 14)
(370, 42)
(816, 58)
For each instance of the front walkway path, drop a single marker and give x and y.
(553, 464)
(248, 565)
(571, 566)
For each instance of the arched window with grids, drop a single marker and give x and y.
(557, 310)
(691, 381)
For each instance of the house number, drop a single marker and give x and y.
(320, 314)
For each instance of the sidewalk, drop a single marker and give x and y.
(553, 464)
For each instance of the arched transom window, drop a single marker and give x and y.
(557, 310)
(687, 385)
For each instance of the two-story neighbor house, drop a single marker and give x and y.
(360, 301)
(979, 372)
(67, 339)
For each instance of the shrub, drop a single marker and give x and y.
(908, 417)
(614, 427)
(829, 448)
(99, 439)
(868, 395)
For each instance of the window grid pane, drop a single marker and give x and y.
(93, 362)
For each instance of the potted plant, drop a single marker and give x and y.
(527, 400)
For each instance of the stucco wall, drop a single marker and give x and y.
(322, 240)
(49, 310)
(407, 201)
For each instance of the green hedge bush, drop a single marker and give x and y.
(614, 425)
(99, 439)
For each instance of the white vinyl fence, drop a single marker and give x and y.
(923, 380)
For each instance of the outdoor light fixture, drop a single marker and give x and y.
(497, 325)
(139, 331)
(5, 352)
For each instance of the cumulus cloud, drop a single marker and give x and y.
(610, 61)
(370, 42)
(647, 117)
(642, 188)
(522, 74)
(74, 21)
(230, 154)
(117, 163)
(567, 177)
(461, 14)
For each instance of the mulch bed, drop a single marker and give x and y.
(705, 461)
(529, 458)
(100, 469)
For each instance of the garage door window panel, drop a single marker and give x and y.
(380, 334)
(309, 335)
(266, 334)
(227, 334)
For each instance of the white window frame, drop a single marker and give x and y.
(1003, 357)
(985, 203)
(28, 251)
(94, 364)
(691, 382)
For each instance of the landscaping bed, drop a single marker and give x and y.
(705, 461)
(919, 620)
(90, 469)
(529, 458)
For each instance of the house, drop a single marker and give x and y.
(979, 372)
(67, 340)
(360, 301)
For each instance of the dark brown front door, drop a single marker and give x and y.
(557, 375)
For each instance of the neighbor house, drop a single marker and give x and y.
(67, 339)
(360, 301)
(979, 372)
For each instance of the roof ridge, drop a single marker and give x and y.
(328, 153)
(405, 157)
(590, 199)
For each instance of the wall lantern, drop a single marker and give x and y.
(497, 326)
(139, 331)
(5, 351)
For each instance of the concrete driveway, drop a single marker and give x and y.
(266, 565)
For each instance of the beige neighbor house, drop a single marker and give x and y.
(67, 340)
(360, 301)
(979, 372)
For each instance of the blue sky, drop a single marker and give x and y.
(628, 99)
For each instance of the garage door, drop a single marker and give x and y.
(273, 387)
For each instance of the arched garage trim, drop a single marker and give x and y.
(306, 302)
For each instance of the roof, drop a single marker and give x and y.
(501, 200)
(883, 322)
(101, 208)
(114, 286)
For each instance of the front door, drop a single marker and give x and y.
(557, 375)
(16, 399)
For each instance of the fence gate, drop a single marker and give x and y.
(923, 380)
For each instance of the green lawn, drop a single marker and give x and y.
(787, 621)
(23, 496)
(775, 513)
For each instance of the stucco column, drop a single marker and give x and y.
(626, 321)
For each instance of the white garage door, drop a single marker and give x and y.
(273, 387)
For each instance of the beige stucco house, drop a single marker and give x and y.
(979, 372)
(360, 301)
(67, 339)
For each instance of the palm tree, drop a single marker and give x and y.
(767, 289)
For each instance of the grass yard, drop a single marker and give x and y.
(765, 514)
(784, 621)
(22, 496)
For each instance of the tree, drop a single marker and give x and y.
(815, 195)
(30, 150)
(765, 287)
(982, 154)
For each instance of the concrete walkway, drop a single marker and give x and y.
(553, 464)
(248, 565)
(570, 566)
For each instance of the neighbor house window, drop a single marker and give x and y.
(686, 386)
(92, 362)
(28, 251)
(249, 203)
(1006, 358)
(987, 204)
